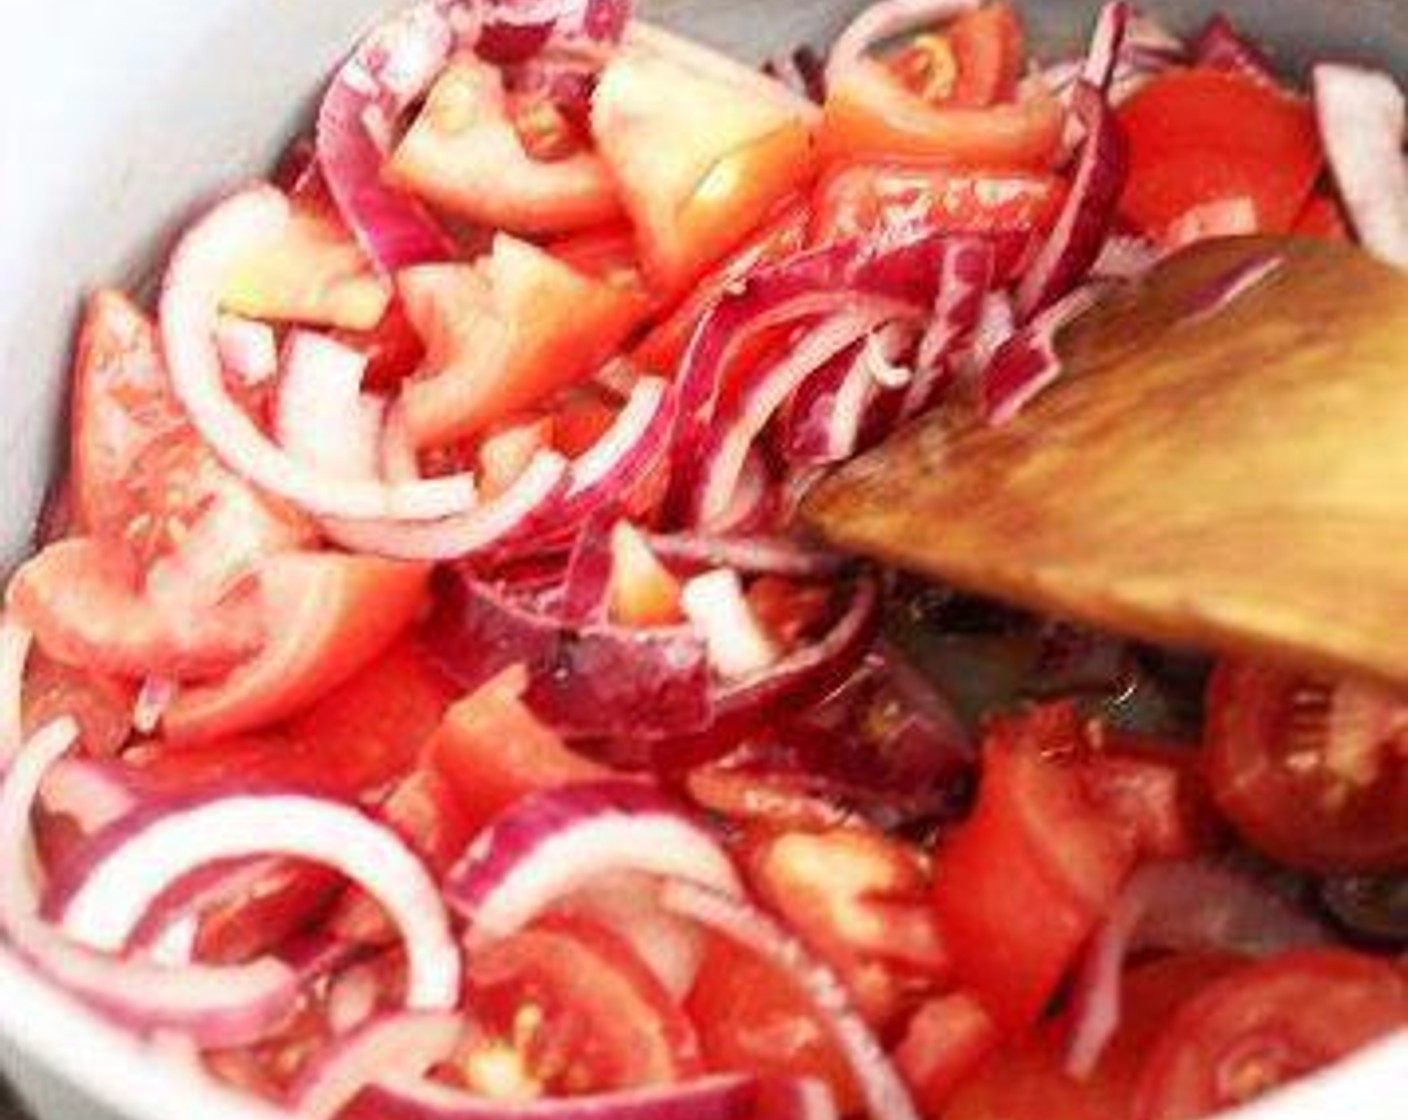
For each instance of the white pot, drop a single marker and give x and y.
(117, 118)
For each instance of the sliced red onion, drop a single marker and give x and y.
(1183, 907)
(1103, 54)
(401, 1045)
(720, 459)
(513, 31)
(780, 556)
(1221, 46)
(224, 1006)
(1027, 362)
(1361, 115)
(387, 71)
(141, 857)
(997, 321)
(554, 844)
(1124, 256)
(93, 794)
(888, 19)
(247, 348)
(585, 680)
(968, 270)
(738, 647)
(754, 508)
(354, 995)
(723, 1097)
(587, 584)
(190, 296)
(627, 903)
(1075, 240)
(1232, 285)
(322, 418)
(823, 421)
(801, 71)
(15, 642)
(880, 1085)
(153, 698)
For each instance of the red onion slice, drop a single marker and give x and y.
(1361, 115)
(386, 72)
(967, 272)
(738, 647)
(189, 300)
(1220, 46)
(15, 642)
(1103, 54)
(553, 844)
(402, 1045)
(886, 20)
(884, 1092)
(1027, 362)
(247, 348)
(1075, 240)
(1178, 906)
(514, 31)
(141, 857)
(724, 1097)
(780, 556)
(225, 1006)
(801, 71)
(1232, 285)
(322, 417)
(91, 793)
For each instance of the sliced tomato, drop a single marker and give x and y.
(863, 198)
(870, 115)
(374, 727)
(392, 348)
(1266, 1024)
(700, 161)
(287, 899)
(82, 599)
(464, 153)
(642, 591)
(989, 47)
(329, 616)
(780, 237)
(102, 705)
(573, 1010)
(580, 417)
(1321, 218)
(607, 254)
(493, 750)
(1022, 883)
(1202, 137)
(944, 1041)
(754, 1018)
(503, 335)
(858, 899)
(270, 759)
(1313, 774)
(313, 274)
(1026, 1078)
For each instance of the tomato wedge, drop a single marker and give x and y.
(1312, 774)
(1014, 904)
(870, 115)
(503, 335)
(314, 274)
(569, 1008)
(699, 161)
(463, 153)
(858, 899)
(1199, 137)
(754, 1018)
(102, 705)
(1266, 1024)
(989, 49)
(330, 614)
(493, 750)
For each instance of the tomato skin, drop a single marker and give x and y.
(1014, 908)
(857, 898)
(989, 49)
(579, 1008)
(1321, 218)
(1273, 772)
(607, 254)
(870, 115)
(1199, 137)
(781, 236)
(504, 335)
(492, 750)
(335, 614)
(1267, 1023)
(464, 154)
(753, 1018)
(101, 705)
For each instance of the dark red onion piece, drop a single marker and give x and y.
(1103, 55)
(386, 73)
(588, 578)
(1027, 362)
(1075, 241)
(723, 1097)
(823, 420)
(551, 845)
(1183, 907)
(1231, 285)
(968, 271)
(585, 680)
(1221, 46)
(801, 70)
(760, 555)
(517, 31)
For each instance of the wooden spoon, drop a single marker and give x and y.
(1235, 479)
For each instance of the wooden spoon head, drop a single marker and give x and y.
(1237, 481)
